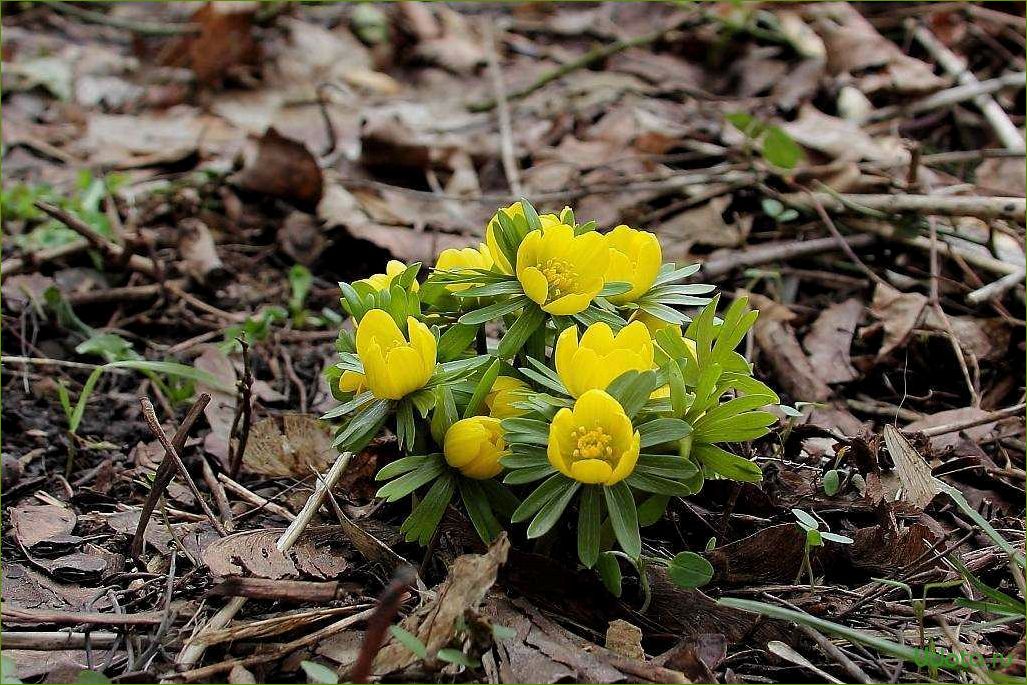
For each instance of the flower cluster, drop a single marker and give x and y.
(600, 394)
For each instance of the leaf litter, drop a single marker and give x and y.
(225, 146)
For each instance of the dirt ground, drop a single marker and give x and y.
(179, 177)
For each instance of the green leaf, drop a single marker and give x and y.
(528, 474)
(851, 634)
(614, 288)
(652, 509)
(502, 632)
(590, 514)
(476, 504)
(455, 656)
(738, 428)
(746, 123)
(832, 482)
(835, 537)
(658, 485)
(609, 572)
(405, 484)
(508, 287)
(319, 673)
(493, 311)
(424, 519)
(482, 389)
(90, 677)
(659, 431)
(725, 464)
(624, 518)
(550, 489)
(455, 341)
(300, 282)
(370, 417)
(528, 322)
(400, 466)
(690, 570)
(805, 520)
(779, 149)
(410, 641)
(173, 369)
(406, 430)
(551, 511)
(445, 414)
(632, 389)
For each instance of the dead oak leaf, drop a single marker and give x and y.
(829, 340)
(282, 168)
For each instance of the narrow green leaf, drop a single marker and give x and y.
(609, 572)
(652, 509)
(455, 341)
(493, 311)
(405, 484)
(400, 466)
(551, 488)
(527, 323)
(476, 504)
(590, 514)
(551, 511)
(725, 464)
(424, 519)
(529, 474)
(319, 673)
(624, 518)
(832, 482)
(659, 431)
(482, 389)
(410, 641)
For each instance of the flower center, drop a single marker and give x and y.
(592, 443)
(560, 276)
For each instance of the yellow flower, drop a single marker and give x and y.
(393, 366)
(635, 258)
(501, 397)
(383, 281)
(457, 261)
(595, 442)
(600, 356)
(515, 210)
(560, 271)
(475, 446)
(353, 381)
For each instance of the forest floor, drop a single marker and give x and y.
(177, 177)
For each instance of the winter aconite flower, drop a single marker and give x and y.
(504, 393)
(383, 281)
(601, 356)
(515, 211)
(474, 446)
(393, 365)
(595, 442)
(458, 261)
(655, 324)
(635, 258)
(560, 271)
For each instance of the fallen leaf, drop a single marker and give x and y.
(224, 43)
(789, 364)
(785, 652)
(919, 486)
(282, 168)
(1001, 176)
(744, 562)
(291, 444)
(697, 657)
(703, 225)
(435, 623)
(316, 555)
(883, 549)
(829, 340)
(899, 312)
(838, 138)
(41, 525)
(951, 416)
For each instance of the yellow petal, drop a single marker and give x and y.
(463, 442)
(406, 371)
(501, 262)
(561, 443)
(351, 381)
(534, 283)
(568, 304)
(590, 254)
(596, 408)
(376, 370)
(422, 340)
(529, 253)
(566, 346)
(378, 326)
(635, 336)
(591, 471)
(627, 461)
(598, 337)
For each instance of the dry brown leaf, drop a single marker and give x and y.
(899, 312)
(950, 416)
(1002, 176)
(283, 168)
(697, 657)
(435, 623)
(225, 42)
(291, 444)
(919, 486)
(317, 555)
(839, 138)
(704, 225)
(744, 562)
(829, 340)
(37, 524)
